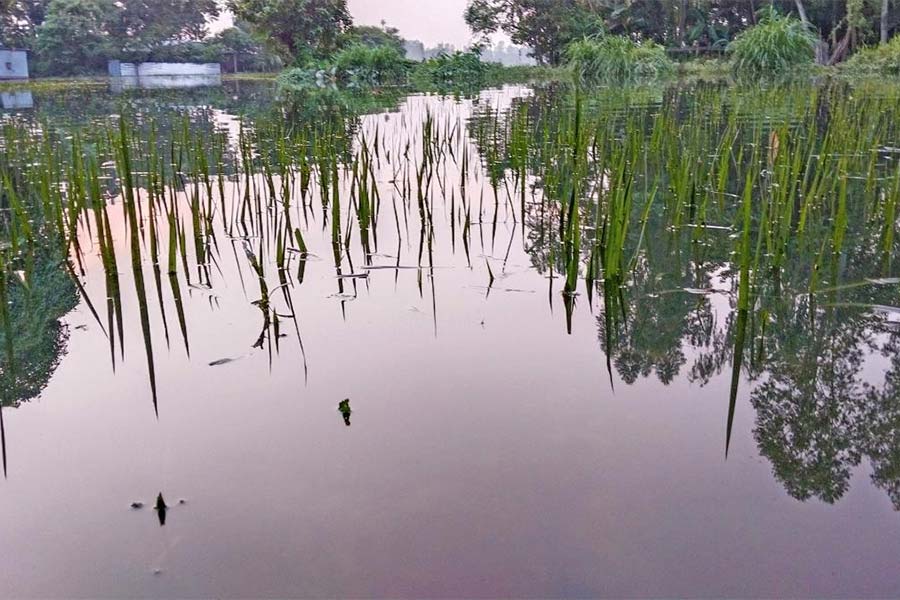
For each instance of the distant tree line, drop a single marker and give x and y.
(305, 32)
(78, 37)
(548, 26)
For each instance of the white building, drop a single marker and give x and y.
(13, 64)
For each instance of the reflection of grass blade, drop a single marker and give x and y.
(10, 370)
(125, 174)
(179, 309)
(737, 362)
(84, 294)
(2, 437)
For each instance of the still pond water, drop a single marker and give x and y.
(519, 343)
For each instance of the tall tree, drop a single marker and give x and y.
(372, 36)
(140, 26)
(301, 29)
(18, 21)
(73, 40)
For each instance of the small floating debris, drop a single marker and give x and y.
(354, 276)
(224, 361)
(344, 409)
(137, 505)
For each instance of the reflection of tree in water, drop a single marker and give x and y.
(39, 338)
(660, 316)
(810, 401)
(882, 417)
(819, 410)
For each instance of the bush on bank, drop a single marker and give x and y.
(877, 60)
(616, 58)
(777, 46)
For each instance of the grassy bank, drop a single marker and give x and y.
(55, 84)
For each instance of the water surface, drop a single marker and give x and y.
(504, 435)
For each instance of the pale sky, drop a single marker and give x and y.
(429, 21)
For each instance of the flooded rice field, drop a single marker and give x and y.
(526, 342)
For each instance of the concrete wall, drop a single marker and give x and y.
(150, 69)
(178, 69)
(13, 64)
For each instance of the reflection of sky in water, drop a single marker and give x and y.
(489, 454)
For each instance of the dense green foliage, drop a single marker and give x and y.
(877, 60)
(302, 30)
(71, 41)
(132, 25)
(70, 37)
(372, 37)
(778, 45)
(457, 69)
(550, 25)
(616, 58)
(370, 65)
(359, 66)
(78, 37)
(546, 26)
(239, 51)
